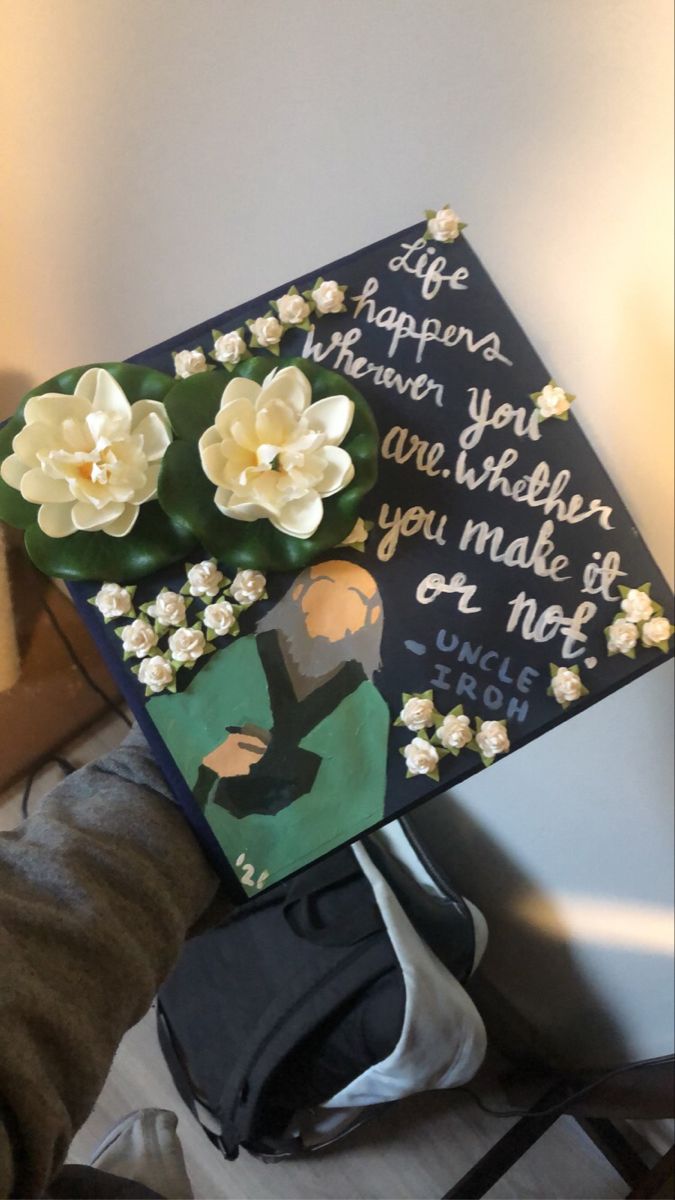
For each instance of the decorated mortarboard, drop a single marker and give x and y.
(341, 547)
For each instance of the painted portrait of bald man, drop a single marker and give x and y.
(282, 736)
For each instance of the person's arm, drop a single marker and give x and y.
(97, 892)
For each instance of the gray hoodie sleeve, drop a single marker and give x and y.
(97, 892)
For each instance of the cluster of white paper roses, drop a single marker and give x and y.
(293, 310)
(166, 617)
(639, 621)
(453, 732)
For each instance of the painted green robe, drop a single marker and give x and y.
(347, 795)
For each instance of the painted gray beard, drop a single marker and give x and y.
(316, 657)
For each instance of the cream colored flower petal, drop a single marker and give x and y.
(338, 473)
(86, 517)
(241, 512)
(240, 388)
(42, 489)
(156, 436)
(275, 422)
(13, 470)
(140, 409)
(55, 520)
(289, 384)
(33, 440)
(148, 490)
(105, 394)
(300, 518)
(237, 421)
(332, 417)
(210, 437)
(52, 408)
(213, 463)
(123, 524)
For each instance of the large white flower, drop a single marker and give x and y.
(273, 454)
(89, 460)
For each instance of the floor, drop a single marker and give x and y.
(417, 1150)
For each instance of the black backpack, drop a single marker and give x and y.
(324, 998)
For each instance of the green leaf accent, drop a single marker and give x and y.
(188, 496)
(553, 670)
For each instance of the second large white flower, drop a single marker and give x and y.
(89, 460)
(273, 454)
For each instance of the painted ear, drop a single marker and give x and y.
(375, 614)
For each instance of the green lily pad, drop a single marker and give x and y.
(188, 496)
(156, 540)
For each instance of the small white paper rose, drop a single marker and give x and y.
(328, 297)
(417, 713)
(637, 606)
(204, 579)
(444, 225)
(492, 739)
(89, 460)
(248, 586)
(273, 454)
(657, 632)
(421, 758)
(266, 332)
(566, 686)
(454, 732)
(229, 348)
(189, 362)
(187, 645)
(112, 601)
(138, 639)
(552, 401)
(220, 617)
(622, 637)
(155, 673)
(292, 308)
(168, 608)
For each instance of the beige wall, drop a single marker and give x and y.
(167, 158)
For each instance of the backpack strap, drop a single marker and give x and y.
(286, 1023)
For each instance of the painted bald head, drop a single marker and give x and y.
(333, 610)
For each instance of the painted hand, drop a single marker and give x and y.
(236, 755)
